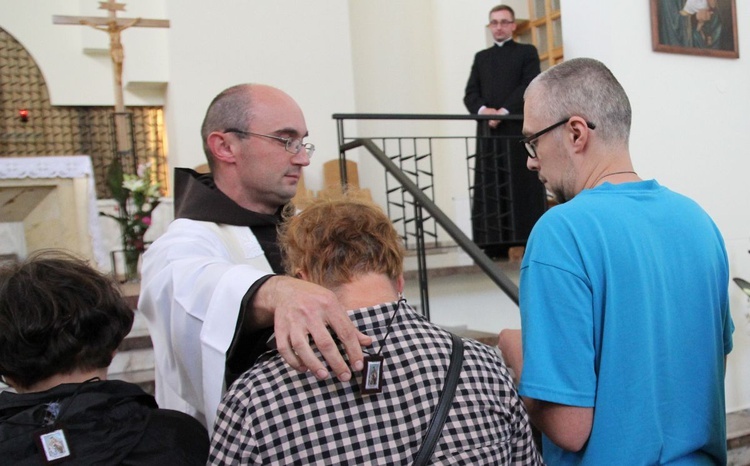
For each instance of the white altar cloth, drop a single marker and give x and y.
(73, 166)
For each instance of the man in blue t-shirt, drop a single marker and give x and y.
(624, 292)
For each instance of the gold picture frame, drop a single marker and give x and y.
(695, 27)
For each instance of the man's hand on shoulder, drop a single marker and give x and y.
(302, 309)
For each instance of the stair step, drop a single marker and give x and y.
(738, 456)
(142, 378)
(135, 342)
(738, 430)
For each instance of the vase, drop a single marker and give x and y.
(131, 258)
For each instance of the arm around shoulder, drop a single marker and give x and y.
(300, 310)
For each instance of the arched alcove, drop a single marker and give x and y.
(66, 130)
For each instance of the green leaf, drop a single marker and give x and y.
(114, 181)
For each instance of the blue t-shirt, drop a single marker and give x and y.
(625, 308)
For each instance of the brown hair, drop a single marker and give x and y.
(336, 239)
(504, 8)
(57, 315)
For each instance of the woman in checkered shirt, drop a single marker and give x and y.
(274, 414)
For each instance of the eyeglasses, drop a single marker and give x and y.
(293, 146)
(531, 148)
(504, 22)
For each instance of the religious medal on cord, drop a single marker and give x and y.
(372, 380)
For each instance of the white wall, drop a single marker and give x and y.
(691, 131)
(690, 128)
(75, 61)
(415, 57)
(300, 47)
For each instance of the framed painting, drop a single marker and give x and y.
(695, 27)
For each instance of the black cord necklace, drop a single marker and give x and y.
(54, 410)
(613, 174)
(372, 378)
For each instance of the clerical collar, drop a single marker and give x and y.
(500, 44)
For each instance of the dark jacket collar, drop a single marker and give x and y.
(90, 393)
(103, 421)
(196, 197)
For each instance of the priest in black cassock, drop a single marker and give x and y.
(507, 198)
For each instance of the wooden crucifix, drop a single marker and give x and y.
(114, 26)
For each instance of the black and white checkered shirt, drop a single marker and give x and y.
(275, 415)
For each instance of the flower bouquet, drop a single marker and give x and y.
(137, 196)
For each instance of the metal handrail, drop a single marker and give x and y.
(480, 258)
(421, 116)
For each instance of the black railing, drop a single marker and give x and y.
(408, 167)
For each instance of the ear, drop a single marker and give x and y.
(579, 134)
(222, 147)
(400, 283)
(302, 275)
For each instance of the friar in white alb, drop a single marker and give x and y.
(209, 288)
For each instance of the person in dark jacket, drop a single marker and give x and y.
(62, 322)
(507, 198)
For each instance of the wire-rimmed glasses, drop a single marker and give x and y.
(291, 145)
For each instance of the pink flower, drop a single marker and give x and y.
(146, 220)
(143, 169)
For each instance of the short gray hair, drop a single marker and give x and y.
(232, 108)
(585, 87)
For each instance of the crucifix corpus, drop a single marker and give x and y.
(114, 26)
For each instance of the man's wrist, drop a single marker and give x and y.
(259, 303)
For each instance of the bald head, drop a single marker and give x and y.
(249, 135)
(235, 107)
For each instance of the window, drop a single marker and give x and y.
(544, 30)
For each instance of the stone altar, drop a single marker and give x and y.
(54, 200)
